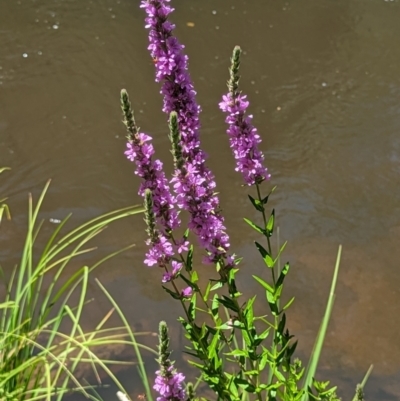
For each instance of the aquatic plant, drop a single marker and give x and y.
(239, 355)
(39, 358)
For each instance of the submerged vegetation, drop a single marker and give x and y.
(238, 354)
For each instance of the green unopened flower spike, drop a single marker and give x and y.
(163, 347)
(129, 119)
(149, 217)
(175, 138)
(233, 83)
(190, 392)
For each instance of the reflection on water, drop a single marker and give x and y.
(324, 86)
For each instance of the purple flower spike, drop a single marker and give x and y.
(170, 388)
(168, 383)
(193, 182)
(243, 136)
(140, 150)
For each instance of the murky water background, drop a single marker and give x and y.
(324, 85)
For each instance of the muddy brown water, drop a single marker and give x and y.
(324, 84)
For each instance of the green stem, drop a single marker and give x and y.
(276, 319)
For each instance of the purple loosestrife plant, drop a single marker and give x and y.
(193, 182)
(243, 136)
(231, 347)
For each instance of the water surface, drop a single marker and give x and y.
(323, 81)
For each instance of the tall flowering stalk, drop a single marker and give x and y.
(243, 136)
(159, 202)
(168, 383)
(193, 182)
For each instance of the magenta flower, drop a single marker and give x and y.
(194, 183)
(187, 292)
(243, 136)
(176, 268)
(170, 386)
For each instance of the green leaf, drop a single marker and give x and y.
(264, 284)
(251, 372)
(256, 203)
(215, 305)
(213, 346)
(288, 304)
(265, 255)
(270, 224)
(216, 286)
(272, 303)
(258, 339)
(207, 292)
(282, 248)
(238, 352)
(189, 283)
(282, 276)
(282, 324)
(265, 358)
(189, 258)
(172, 293)
(192, 308)
(248, 312)
(255, 226)
(194, 277)
(265, 200)
(316, 352)
(228, 303)
(245, 385)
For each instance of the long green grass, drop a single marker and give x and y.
(39, 358)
